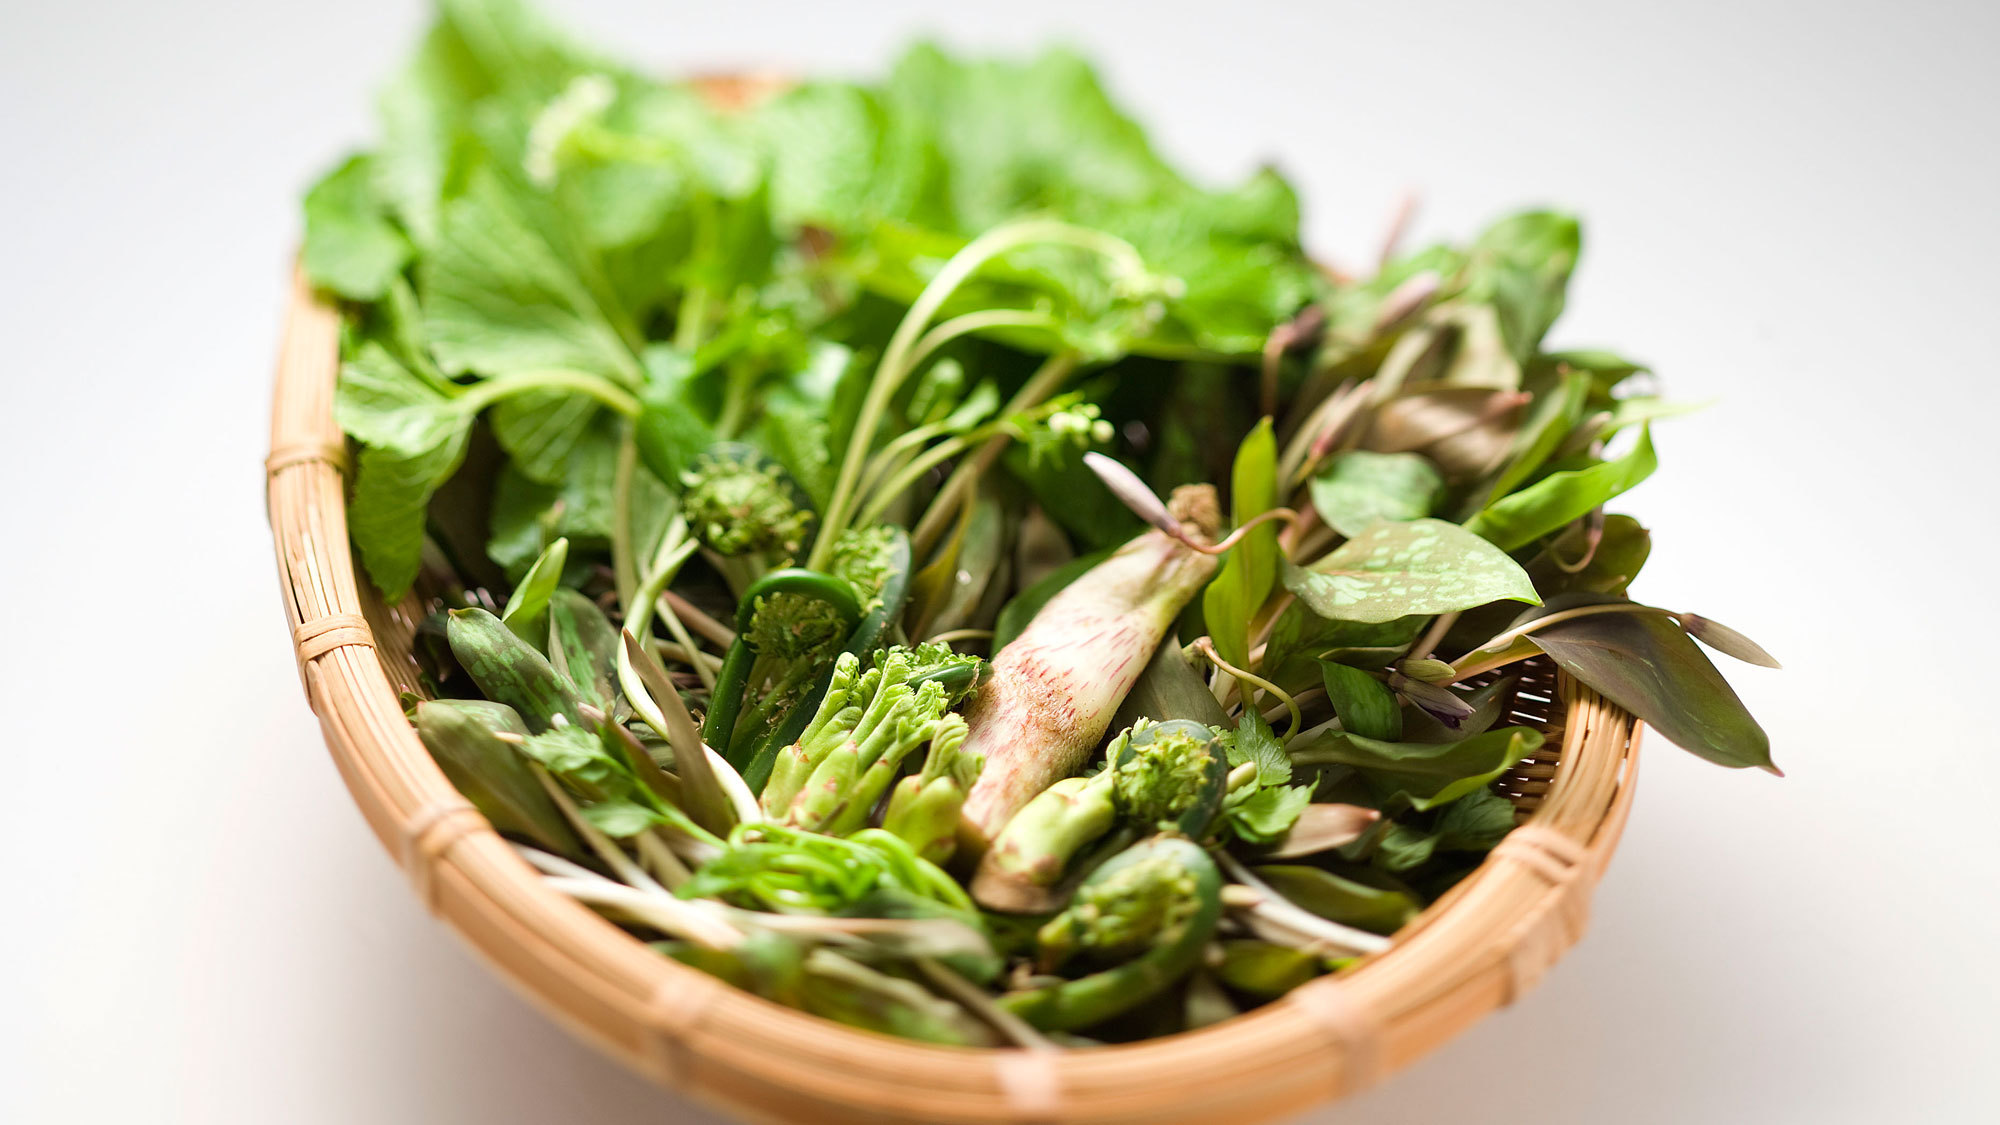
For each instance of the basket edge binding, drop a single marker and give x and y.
(1483, 945)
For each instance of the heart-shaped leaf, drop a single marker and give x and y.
(1397, 569)
(1361, 487)
(1644, 663)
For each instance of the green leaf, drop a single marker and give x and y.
(1378, 909)
(1364, 704)
(1395, 570)
(1554, 414)
(1514, 521)
(351, 246)
(504, 292)
(1644, 663)
(1360, 488)
(1425, 774)
(1169, 688)
(1255, 742)
(381, 402)
(540, 430)
(1622, 550)
(1474, 823)
(1269, 813)
(621, 820)
(1233, 598)
(413, 438)
(1522, 265)
(527, 611)
(1299, 636)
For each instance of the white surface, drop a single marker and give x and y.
(1789, 206)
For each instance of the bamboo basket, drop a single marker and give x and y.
(1485, 943)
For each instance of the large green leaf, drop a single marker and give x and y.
(504, 292)
(1394, 570)
(1361, 487)
(1425, 774)
(1644, 663)
(1517, 520)
(392, 491)
(351, 245)
(1522, 265)
(413, 437)
(1251, 566)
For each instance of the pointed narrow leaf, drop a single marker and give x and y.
(1545, 506)
(1380, 910)
(1427, 774)
(528, 606)
(1398, 569)
(1644, 663)
(1132, 492)
(1727, 641)
(1232, 599)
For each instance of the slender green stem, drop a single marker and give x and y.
(675, 549)
(688, 319)
(485, 393)
(624, 554)
(967, 323)
(886, 492)
(1248, 680)
(1047, 379)
(896, 359)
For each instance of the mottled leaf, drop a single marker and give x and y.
(1398, 569)
(1360, 488)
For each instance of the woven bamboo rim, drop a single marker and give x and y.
(1485, 943)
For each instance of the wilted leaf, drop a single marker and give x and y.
(1322, 827)
(1465, 430)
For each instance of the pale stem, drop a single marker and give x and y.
(1043, 383)
(951, 636)
(975, 1000)
(1206, 647)
(698, 621)
(1428, 643)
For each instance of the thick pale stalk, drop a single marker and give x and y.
(1054, 690)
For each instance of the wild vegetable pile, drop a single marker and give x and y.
(905, 550)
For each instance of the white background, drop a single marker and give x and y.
(1789, 206)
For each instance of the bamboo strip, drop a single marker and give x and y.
(1482, 945)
